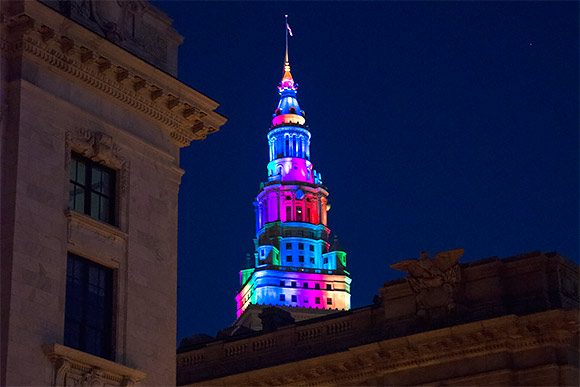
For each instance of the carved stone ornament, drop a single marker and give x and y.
(434, 281)
(76, 368)
(96, 146)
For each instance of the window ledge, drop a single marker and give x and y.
(95, 225)
(74, 367)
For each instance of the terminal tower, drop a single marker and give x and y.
(295, 266)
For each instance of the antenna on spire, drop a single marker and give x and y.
(288, 31)
(287, 28)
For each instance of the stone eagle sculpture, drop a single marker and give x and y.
(433, 280)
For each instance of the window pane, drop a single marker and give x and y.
(105, 210)
(77, 198)
(108, 183)
(96, 183)
(71, 334)
(93, 275)
(95, 205)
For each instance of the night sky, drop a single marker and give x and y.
(435, 125)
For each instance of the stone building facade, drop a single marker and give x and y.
(92, 122)
(511, 321)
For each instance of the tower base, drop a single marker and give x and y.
(250, 318)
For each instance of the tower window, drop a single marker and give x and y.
(301, 258)
(328, 287)
(88, 307)
(288, 258)
(329, 301)
(292, 110)
(305, 285)
(312, 260)
(317, 300)
(325, 260)
(293, 283)
(288, 213)
(278, 112)
(288, 246)
(299, 214)
(300, 246)
(294, 299)
(316, 286)
(282, 297)
(311, 247)
(92, 189)
(282, 283)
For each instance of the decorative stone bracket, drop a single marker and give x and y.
(77, 368)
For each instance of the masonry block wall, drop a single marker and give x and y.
(69, 94)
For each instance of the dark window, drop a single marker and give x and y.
(317, 300)
(325, 260)
(300, 246)
(288, 213)
(282, 297)
(288, 246)
(301, 258)
(308, 211)
(294, 299)
(328, 287)
(299, 214)
(329, 301)
(305, 285)
(88, 308)
(288, 258)
(311, 247)
(293, 284)
(316, 286)
(92, 189)
(312, 260)
(292, 110)
(281, 283)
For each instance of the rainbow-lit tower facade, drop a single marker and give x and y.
(294, 265)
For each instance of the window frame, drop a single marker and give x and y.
(87, 309)
(87, 185)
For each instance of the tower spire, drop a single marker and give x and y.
(286, 62)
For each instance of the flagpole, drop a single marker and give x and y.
(286, 29)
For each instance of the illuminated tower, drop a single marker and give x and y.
(294, 267)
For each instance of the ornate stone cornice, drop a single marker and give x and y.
(184, 119)
(555, 328)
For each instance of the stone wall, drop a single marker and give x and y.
(65, 89)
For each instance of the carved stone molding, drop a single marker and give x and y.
(549, 329)
(77, 368)
(184, 121)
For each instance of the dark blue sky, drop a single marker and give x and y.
(436, 125)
